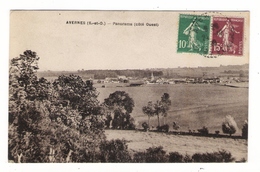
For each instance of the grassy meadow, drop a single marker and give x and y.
(193, 105)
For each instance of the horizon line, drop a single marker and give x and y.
(179, 67)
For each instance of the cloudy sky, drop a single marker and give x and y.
(64, 46)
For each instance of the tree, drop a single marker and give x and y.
(47, 123)
(121, 105)
(24, 67)
(77, 107)
(28, 104)
(149, 111)
(165, 105)
(229, 126)
(157, 111)
(160, 107)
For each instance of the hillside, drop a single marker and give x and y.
(193, 106)
(140, 141)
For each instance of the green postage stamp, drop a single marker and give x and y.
(193, 35)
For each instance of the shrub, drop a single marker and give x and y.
(187, 158)
(156, 154)
(197, 157)
(217, 132)
(114, 151)
(220, 156)
(140, 157)
(163, 128)
(175, 157)
(226, 156)
(145, 126)
(203, 131)
(245, 130)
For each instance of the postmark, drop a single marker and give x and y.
(193, 34)
(227, 36)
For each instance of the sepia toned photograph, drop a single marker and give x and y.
(128, 86)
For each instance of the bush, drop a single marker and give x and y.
(226, 156)
(175, 157)
(156, 154)
(203, 131)
(163, 128)
(197, 157)
(187, 158)
(140, 157)
(114, 151)
(145, 126)
(220, 156)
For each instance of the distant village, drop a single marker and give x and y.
(160, 80)
(200, 75)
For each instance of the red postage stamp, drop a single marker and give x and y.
(227, 36)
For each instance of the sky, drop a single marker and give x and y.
(70, 47)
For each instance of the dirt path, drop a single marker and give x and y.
(140, 141)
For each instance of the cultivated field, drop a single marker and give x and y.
(193, 105)
(140, 141)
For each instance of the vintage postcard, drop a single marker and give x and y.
(128, 86)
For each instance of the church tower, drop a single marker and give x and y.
(152, 77)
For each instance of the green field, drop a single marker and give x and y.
(193, 105)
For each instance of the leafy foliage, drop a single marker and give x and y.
(160, 107)
(152, 154)
(165, 105)
(119, 105)
(114, 151)
(163, 128)
(140, 157)
(145, 126)
(175, 157)
(149, 111)
(220, 156)
(156, 154)
(62, 122)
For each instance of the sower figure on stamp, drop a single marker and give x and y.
(227, 34)
(192, 31)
